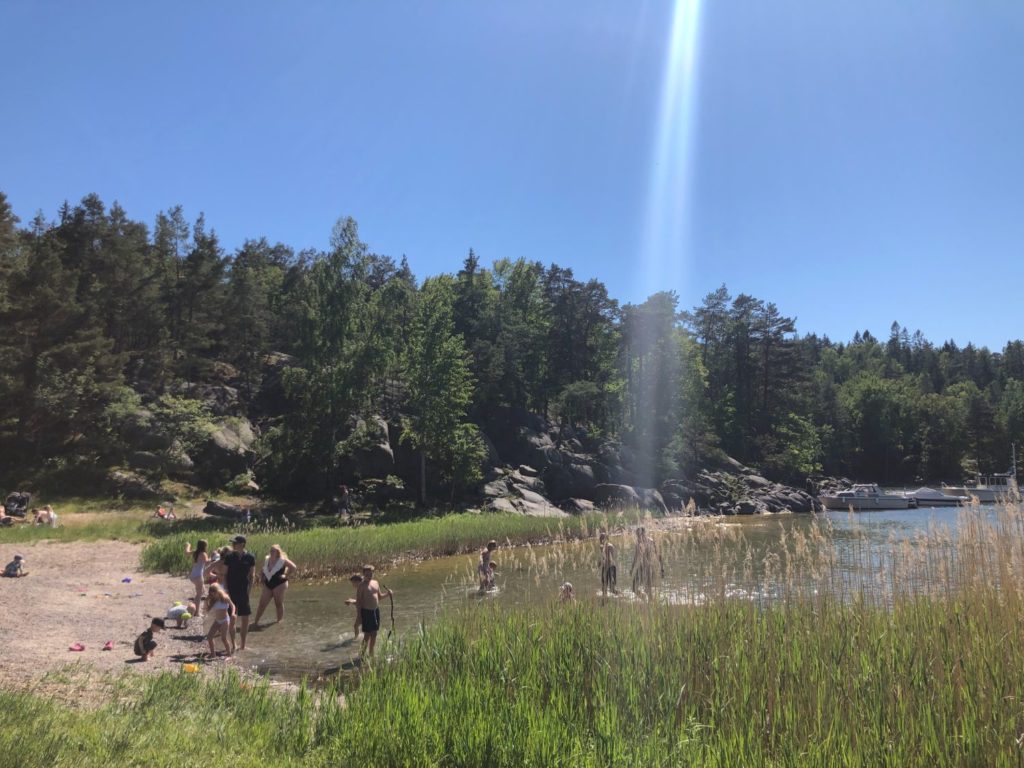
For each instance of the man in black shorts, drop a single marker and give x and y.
(241, 571)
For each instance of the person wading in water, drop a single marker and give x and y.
(368, 595)
(645, 555)
(609, 575)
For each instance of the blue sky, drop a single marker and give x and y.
(855, 163)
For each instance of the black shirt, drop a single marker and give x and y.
(142, 641)
(239, 565)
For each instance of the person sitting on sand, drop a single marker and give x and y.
(16, 568)
(5, 519)
(609, 574)
(221, 610)
(368, 601)
(181, 613)
(45, 516)
(356, 579)
(145, 645)
(567, 594)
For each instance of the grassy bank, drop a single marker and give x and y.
(925, 683)
(324, 551)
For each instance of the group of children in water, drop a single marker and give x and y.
(647, 567)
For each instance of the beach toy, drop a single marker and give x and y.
(77, 647)
(108, 646)
(191, 668)
(186, 616)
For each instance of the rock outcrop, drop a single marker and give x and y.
(541, 466)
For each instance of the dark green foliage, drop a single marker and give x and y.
(108, 325)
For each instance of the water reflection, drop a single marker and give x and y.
(867, 555)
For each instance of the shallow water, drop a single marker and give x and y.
(756, 558)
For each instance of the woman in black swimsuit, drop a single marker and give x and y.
(274, 575)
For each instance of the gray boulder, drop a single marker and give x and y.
(222, 509)
(571, 480)
(577, 506)
(228, 451)
(651, 499)
(130, 485)
(609, 495)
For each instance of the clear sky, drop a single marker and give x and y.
(854, 162)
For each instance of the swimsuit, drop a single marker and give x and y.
(371, 619)
(274, 576)
(197, 571)
(220, 605)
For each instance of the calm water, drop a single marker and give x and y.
(732, 557)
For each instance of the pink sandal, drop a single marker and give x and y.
(109, 645)
(76, 647)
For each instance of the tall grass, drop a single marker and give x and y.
(913, 658)
(927, 683)
(326, 551)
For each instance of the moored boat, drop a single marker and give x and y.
(987, 489)
(929, 497)
(865, 496)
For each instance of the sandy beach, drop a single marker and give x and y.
(88, 593)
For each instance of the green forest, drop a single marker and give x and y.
(125, 344)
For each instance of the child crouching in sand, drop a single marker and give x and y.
(220, 609)
(145, 645)
(181, 613)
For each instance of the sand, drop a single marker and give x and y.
(76, 593)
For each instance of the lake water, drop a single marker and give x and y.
(754, 558)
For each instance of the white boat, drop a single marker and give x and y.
(988, 489)
(865, 496)
(929, 497)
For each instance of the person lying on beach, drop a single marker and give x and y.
(145, 645)
(181, 614)
(220, 609)
(16, 568)
(165, 513)
(356, 580)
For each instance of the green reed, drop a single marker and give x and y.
(926, 682)
(917, 662)
(327, 551)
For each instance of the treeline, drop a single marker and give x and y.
(102, 316)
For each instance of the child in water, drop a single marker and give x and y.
(356, 579)
(484, 569)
